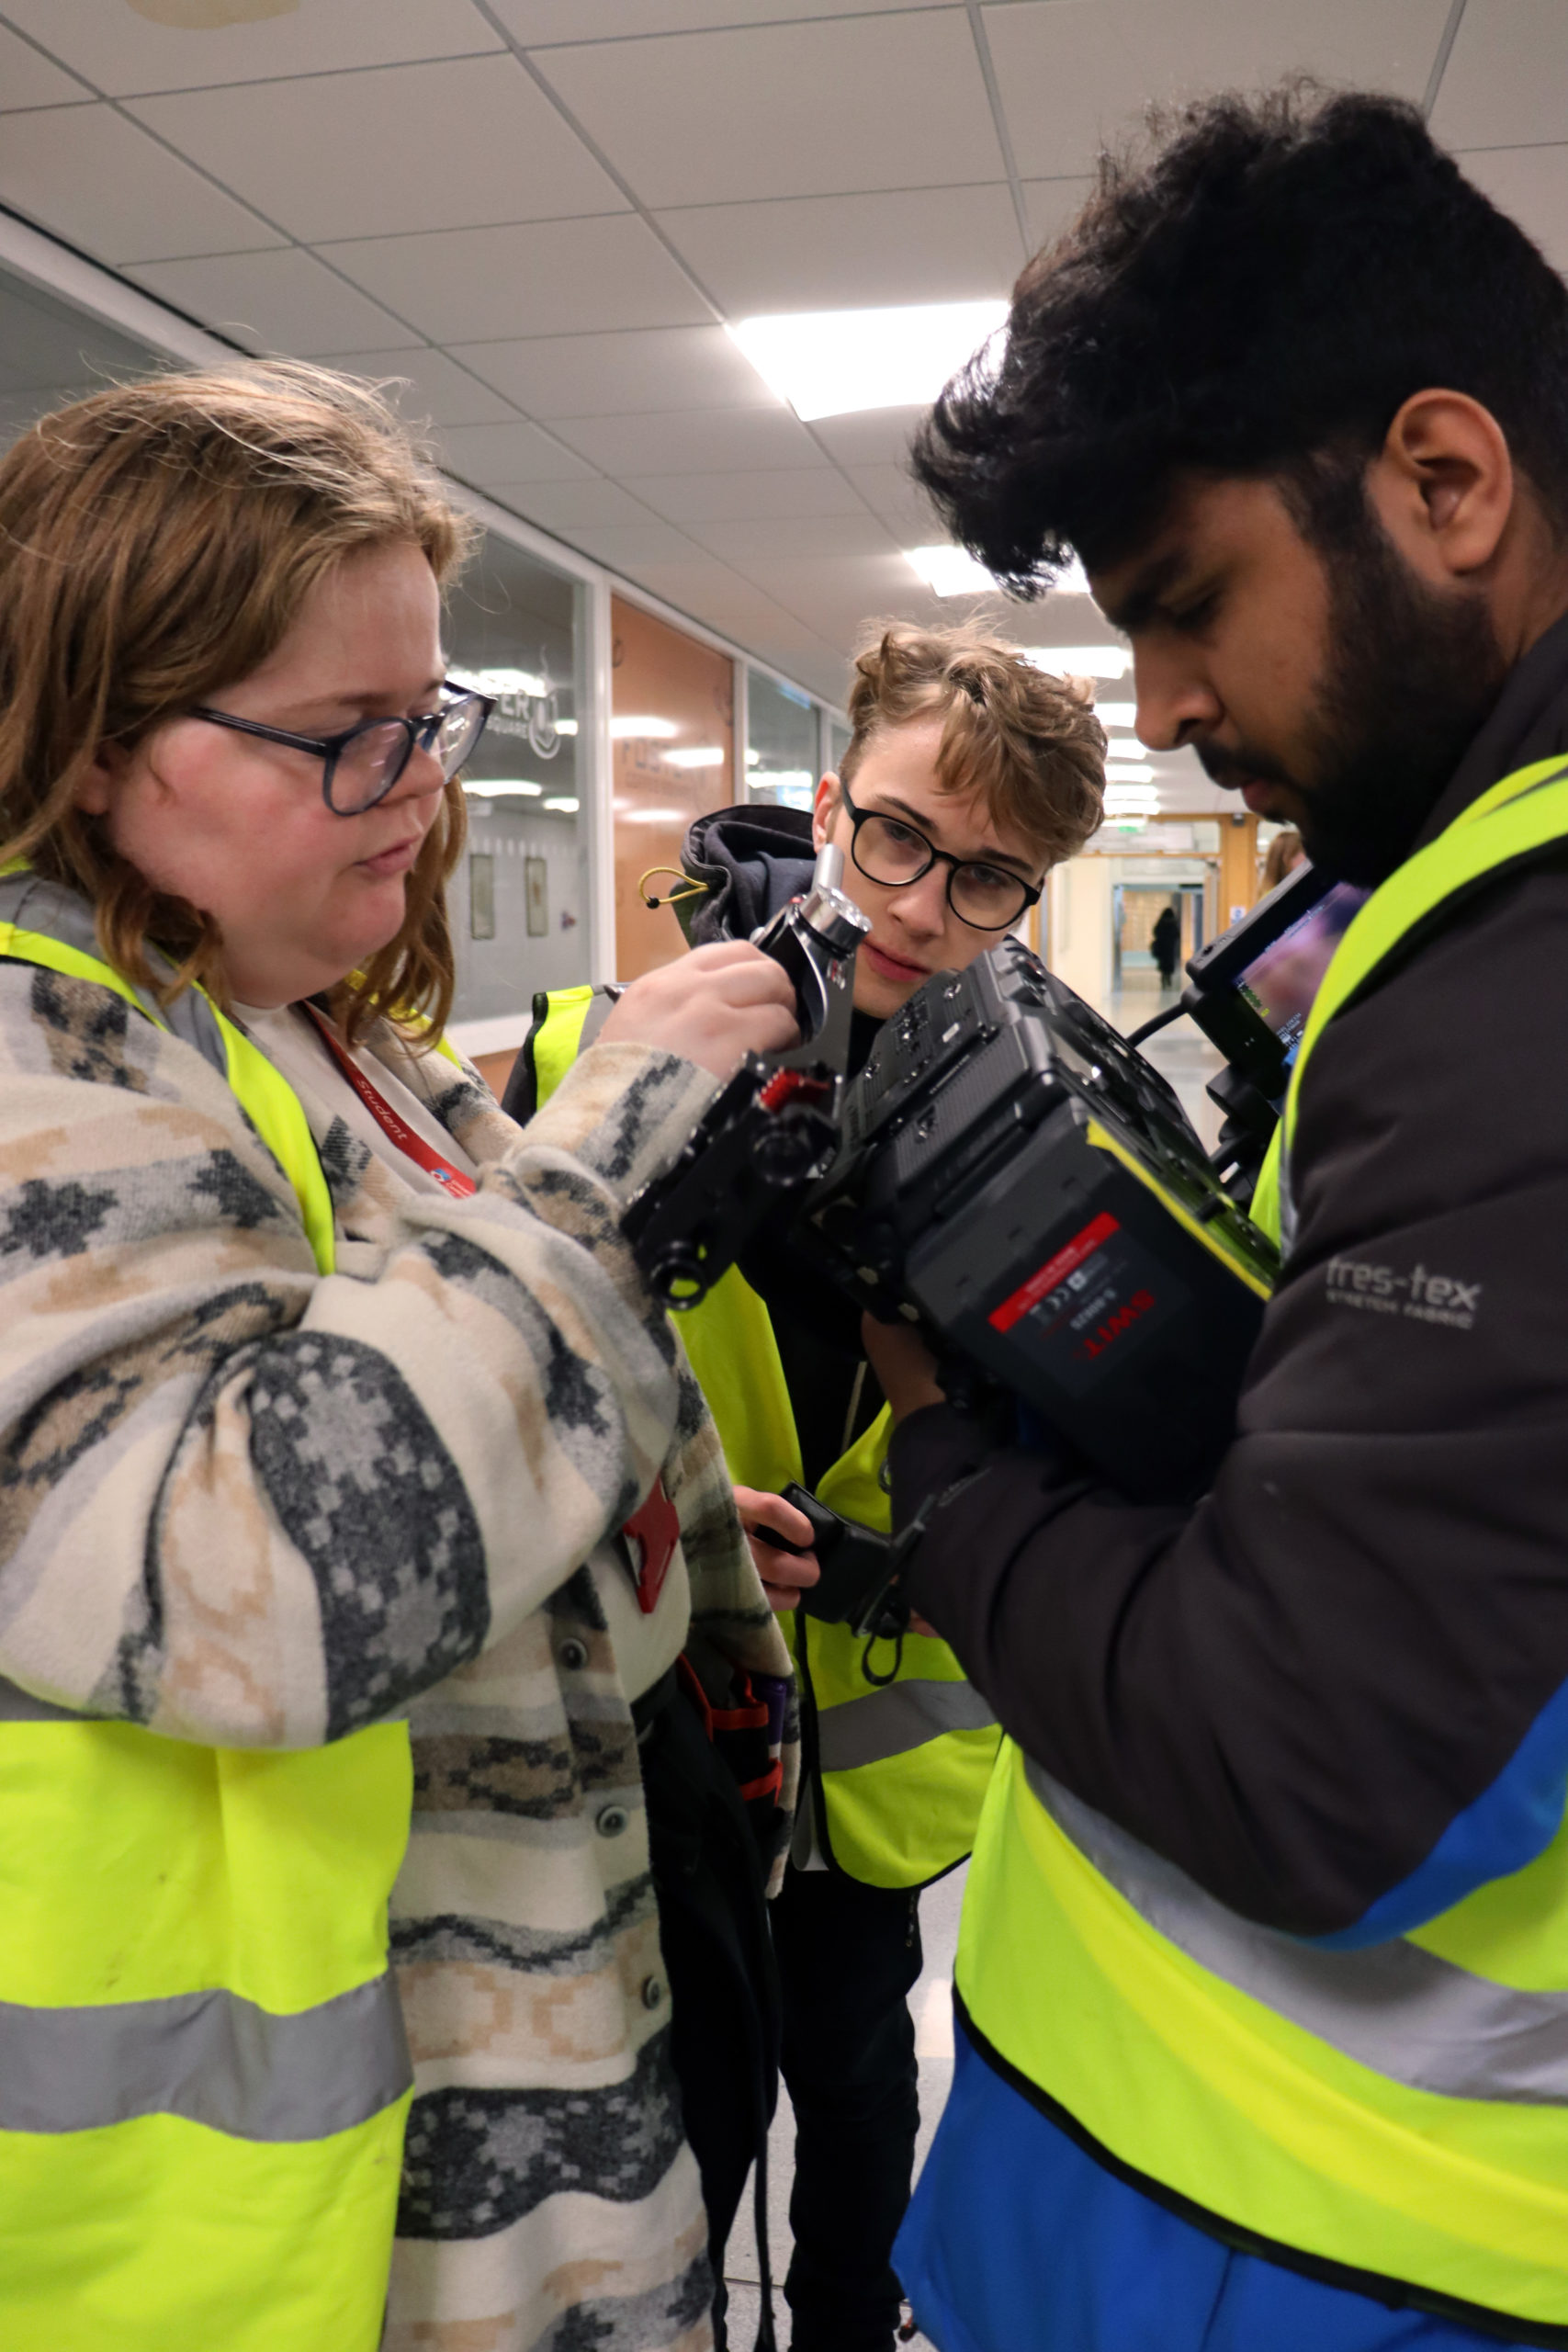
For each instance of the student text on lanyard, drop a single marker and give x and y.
(412, 1146)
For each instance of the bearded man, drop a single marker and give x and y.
(1263, 1981)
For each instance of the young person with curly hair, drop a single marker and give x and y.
(969, 773)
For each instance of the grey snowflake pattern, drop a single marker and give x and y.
(54, 1220)
(366, 1490)
(476, 2161)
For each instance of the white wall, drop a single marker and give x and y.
(1080, 927)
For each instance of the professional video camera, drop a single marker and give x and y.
(1017, 1177)
(775, 1128)
(1011, 1174)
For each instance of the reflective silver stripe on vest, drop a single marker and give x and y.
(891, 1721)
(45, 907)
(210, 2057)
(1401, 2011)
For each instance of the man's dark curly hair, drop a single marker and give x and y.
(1257, 298)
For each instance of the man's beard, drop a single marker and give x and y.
(1412, 674)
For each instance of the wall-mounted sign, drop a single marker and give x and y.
(482, 895)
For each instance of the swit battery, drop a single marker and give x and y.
(1017, 1173)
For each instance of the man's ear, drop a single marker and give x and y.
(824, 808)
(1443, 485)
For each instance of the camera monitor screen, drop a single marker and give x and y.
(1252, 988)
(1281, 983)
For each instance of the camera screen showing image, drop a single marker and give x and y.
(1252, 988)
(1017, 1175)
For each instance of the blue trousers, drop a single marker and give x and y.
(1017, 2241)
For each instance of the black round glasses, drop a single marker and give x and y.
(887, 850)
(361, 766)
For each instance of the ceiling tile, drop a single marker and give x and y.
(1052, 204)
(1531, 184)
(277, 301)
(626, 545)
(731, 497)
(838, 596)
(727, 440)
(93, 177)
(570, 506)
(1506, 83)
(755, 538)
(833, 252)
(1070, 75)
(621, 375)
(877, 436)
(535, 21)
(902, 504)
(30, 79)
(303, 149)
(513, 453)
(124, 49)
(803, 110)
(552, 277)
(436, 390)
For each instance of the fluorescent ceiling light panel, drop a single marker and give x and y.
(566, 727)
(643, 729)
(1116, 714)
(950, 571)
(1082, 661)
(1128, 771)
(491, 788)
(565, 806)
(833, 362)
(506, 682)
(702, 755)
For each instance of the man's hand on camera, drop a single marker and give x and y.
(785, 1575)
(902, 1363)
(712, 1007)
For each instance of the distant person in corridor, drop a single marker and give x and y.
(1165, 941)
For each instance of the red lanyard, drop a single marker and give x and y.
(412, 1146)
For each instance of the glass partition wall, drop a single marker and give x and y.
(781, 748)
(51, 353)
(519, 898)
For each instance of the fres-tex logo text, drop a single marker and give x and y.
(1378, 1290)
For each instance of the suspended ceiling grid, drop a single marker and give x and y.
(542, 211)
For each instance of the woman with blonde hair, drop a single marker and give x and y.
(324, 1392)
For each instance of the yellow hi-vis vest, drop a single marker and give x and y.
(1392, 2114)
(204, 2076)
(899, 1771)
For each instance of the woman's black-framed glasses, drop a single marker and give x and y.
(361, 766)
(887, 850)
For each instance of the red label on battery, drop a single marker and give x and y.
(1068, 1260)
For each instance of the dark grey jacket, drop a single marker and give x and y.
(1337, 1691)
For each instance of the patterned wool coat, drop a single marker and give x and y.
(210, 1456)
